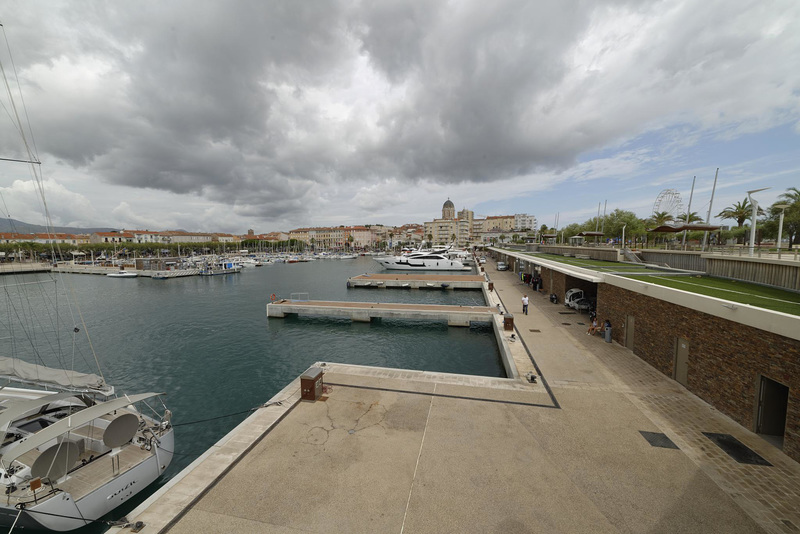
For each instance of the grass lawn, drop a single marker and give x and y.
(742, 292)
(595, 265)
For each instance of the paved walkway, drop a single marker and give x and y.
(410, 451)
(769, 495)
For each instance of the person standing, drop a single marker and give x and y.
(525, 304)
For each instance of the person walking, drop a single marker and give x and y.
(525, 304)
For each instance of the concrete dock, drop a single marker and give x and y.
(366, 311)
(417, 281)
(389, 450)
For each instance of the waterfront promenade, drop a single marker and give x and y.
(409, 451)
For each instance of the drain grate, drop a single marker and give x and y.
(566, 313)
(534, 330)
(658, 439)
(736, 449)
(566, 324)
(582, 324)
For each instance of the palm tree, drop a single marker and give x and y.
(689, 218)
(502, 238)
(661, 218)
(741, 211)
(430, 240)
(791, 196)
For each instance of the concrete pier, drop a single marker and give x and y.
(417, 281)
(24, 267)
(366, 311)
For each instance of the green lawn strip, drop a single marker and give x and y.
(595, 265)
(742, 292)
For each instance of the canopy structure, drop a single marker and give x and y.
(669, 228)
(590, 234)
(31, 373)
(16, 410)
(68, 424)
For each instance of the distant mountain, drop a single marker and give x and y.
(11, 225)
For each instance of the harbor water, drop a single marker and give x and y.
(207, 343)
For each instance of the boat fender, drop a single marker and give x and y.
(272, 297)
(348, 284)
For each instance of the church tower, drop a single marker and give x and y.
(448, 210)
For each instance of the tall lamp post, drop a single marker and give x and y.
(622, 245)
(754, 202)
(781, 207)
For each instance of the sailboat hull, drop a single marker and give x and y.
(62, 513)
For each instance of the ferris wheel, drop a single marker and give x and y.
(669, 200)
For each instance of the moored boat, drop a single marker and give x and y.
(72, 449)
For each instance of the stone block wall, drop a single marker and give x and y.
(726, 359)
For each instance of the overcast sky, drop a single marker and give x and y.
(230, 115)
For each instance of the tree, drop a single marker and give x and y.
(791, 217)
(791, 196)
(740, 211)
(430, 240)
(660, 218)
(689, 218)
(502, 238)
(350, 240)
(515, 238)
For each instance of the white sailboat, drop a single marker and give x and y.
(71, 449)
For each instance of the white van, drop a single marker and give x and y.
(501, 266)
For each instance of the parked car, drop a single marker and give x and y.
(572, 295)
(584, 304)
(483, 260)
(501, 266)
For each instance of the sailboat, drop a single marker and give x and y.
(71, 448)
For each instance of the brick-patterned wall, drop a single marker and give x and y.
(725, 358)
(554, 282)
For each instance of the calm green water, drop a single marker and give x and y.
(207, 343)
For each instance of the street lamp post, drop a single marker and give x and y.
(622, 245)
(781, 207)
(754, 202)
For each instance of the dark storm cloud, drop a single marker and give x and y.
(254, 103)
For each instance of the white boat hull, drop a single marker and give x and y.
(56, 513)
(402, 263)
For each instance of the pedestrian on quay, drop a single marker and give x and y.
(525, 304)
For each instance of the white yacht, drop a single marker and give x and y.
(123, 274)
(421, 261)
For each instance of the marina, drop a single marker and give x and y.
(383, 450)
